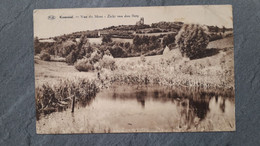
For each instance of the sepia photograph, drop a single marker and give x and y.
(134, 69)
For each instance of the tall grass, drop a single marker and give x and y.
(169, 72)
(59, 97)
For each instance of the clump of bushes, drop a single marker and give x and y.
(118, 51)
(45, 56)
(215, 36)
(97, 60)
(95, 57)
(192, 40)
(106, 39)
(143, 39)
(107, 62)
(169, 39)
(84, 65)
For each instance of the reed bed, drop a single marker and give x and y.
(170, 73)
(58, 97)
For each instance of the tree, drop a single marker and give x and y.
(192, 39)
(118, 51)
(136, 40)
(71, 58)
(106, 39)
(37, 47)
(45, 56)
(168, 39)
(224, 29)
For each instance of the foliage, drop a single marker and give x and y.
(118, 51)
(107, 52)
(106, 39)
(145, 44)
(215, 36)
(45, 56)
(59, 97)
(37, 48)
(168, 39)
(84, 65)
(192, 39)
(107, 62)
(71, 58)
(95, 57)
(66, 49)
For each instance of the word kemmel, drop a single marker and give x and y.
(66, 17)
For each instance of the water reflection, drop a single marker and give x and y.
(191, 103)
(124, 108)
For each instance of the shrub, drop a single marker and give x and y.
(192, 40)
(67, 48)
(117, 51)
(215, 36)
(50, 50)
(71, 58)
(136, 40)
(45, 56)
(107, 52)
(95, 57)
(106, 39)
(37, 47)
(84, 65)
(168, 39)
(108, 62)
(155, 30)
(127, 45)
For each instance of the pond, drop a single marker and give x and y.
(125, 108)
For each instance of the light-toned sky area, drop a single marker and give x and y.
(219, 15)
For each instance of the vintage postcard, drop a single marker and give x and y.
(134, 69)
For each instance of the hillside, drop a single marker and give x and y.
(48, 72)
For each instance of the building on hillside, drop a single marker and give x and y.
(102, 33)
(140, 22)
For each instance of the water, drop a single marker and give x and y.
(124, 108)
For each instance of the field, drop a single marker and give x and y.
(53, 72)
(207, 69)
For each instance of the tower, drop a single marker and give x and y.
(142, 21)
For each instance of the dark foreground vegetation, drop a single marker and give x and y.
(58, 98)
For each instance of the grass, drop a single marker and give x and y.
(122, 40)
(54, 72)
(209, 72)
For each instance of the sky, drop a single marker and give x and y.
(45, 26)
